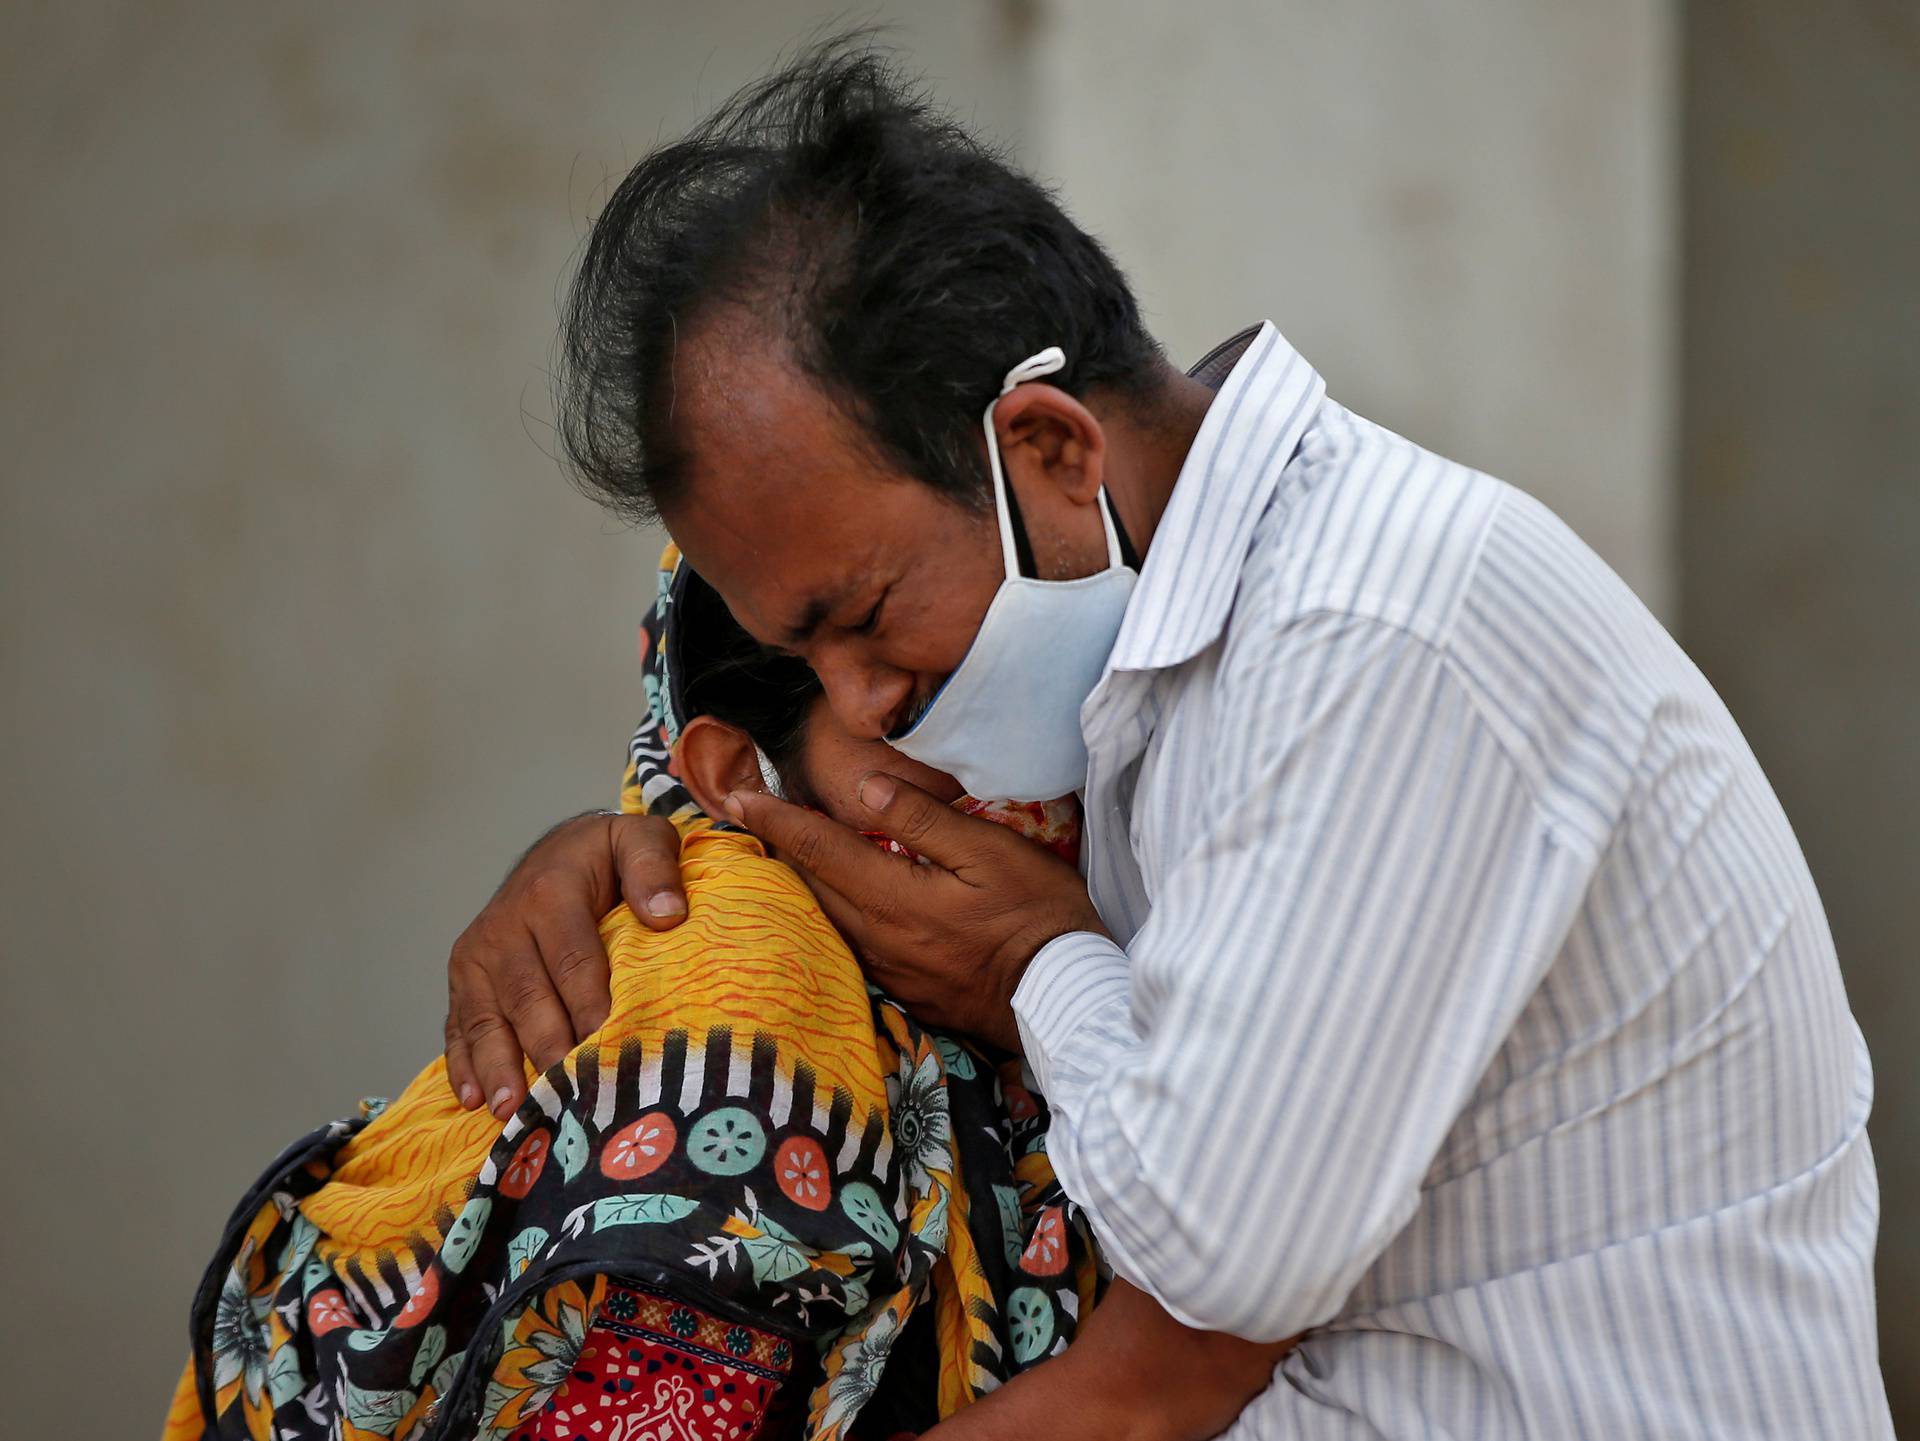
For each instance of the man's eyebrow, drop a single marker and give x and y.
(811, 619)
(816, 613)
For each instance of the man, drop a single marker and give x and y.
(1439, 933)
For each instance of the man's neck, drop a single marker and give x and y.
(1147, 445)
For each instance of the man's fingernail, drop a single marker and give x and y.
(877, 791)
(731, 805)
(469, 1095)
(500, 1098)
(665, 903)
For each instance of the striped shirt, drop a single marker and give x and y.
(1470, 1006)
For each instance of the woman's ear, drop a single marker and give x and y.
(716, 759)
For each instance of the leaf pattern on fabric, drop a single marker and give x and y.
(641, 1210)
(570, 1146)
(463, 1237)
(524, 1249)
(433, 1345)
(378, 1411)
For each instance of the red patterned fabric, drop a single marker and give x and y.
(655, 1369)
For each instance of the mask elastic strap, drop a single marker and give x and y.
(1048, 361)
(1114, 557)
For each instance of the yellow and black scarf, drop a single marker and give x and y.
(754, 1129)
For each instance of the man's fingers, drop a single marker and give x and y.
(460, 1075)
(927, 826)
(571, 950)
(824, 849)
(533, 1008)
(847, 918)
(496, 1056)
(646, 854)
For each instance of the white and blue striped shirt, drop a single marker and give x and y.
(1472, 1008)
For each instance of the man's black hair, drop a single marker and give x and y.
(904, 263)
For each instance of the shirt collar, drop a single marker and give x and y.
(1266, 401)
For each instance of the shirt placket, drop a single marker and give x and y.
(1118, 723)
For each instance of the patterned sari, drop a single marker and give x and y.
(761, 1185)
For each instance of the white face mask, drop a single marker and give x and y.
(769, 776)
(1006, 724)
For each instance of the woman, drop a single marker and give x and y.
(761, 1200)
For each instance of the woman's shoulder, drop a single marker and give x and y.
(735, 893)
(755, 956)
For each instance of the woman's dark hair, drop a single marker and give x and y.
(727, 674)
(904, 263)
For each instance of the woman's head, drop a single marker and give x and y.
(720, 702)
(738, 695)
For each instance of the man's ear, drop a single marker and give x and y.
(716, 759)
(1054, 451)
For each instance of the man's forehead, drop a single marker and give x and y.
(781, 564)
(736, 387)
(779, 487)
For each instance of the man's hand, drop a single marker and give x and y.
(950, 940)
(530, 975)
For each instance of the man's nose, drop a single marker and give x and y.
(865, 698)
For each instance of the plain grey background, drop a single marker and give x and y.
(305, 638)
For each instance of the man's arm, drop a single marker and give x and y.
(1133, 1374)
(1248, 1101)
(530, 975)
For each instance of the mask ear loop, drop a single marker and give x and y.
(1046, 362)
(1114, 559)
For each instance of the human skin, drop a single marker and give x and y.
(1133, 1372)
(879, 582)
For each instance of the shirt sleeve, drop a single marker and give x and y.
(1361, 897)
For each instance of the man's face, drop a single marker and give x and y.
(818, 548)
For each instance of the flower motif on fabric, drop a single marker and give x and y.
(862, 1361)
(640, 1148)
(800, 1169)
(727, 1142)
(422, 1296)
(623, 1305)
(529, 1160)
(240, 1336)
(921, 1125)
(542, 1349)
(327, 1311)
(1046, 1253)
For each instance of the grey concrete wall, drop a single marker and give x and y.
(1462, 215)
(303, 638)
(1801, 497)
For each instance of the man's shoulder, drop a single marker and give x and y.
(1369, 525)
